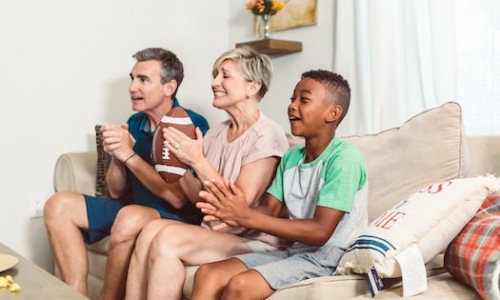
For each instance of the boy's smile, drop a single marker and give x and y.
(307, 108)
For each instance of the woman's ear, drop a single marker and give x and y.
(334, 113)
(253, 88)
(169, 88)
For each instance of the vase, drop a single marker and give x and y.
(265, 26)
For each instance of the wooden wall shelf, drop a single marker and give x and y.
(273, 46)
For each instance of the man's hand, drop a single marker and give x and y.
(225, 202)
(117, 141)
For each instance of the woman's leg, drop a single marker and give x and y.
(178, 245)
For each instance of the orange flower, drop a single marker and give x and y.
(264, 7)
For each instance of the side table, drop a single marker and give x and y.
(35, 282)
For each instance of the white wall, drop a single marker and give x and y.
(317, 53)
(64, 67)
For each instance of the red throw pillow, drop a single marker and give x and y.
(473, 257)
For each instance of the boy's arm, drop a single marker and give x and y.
(228, 206)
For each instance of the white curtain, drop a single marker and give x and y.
(478, 64)
(398, 56)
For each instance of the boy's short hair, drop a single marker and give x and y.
(335, 84)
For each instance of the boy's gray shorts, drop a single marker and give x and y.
(281, 269)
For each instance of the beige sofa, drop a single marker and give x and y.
(430, 147)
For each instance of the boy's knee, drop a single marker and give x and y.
(236, 285)
(203, 273)
(210, 275)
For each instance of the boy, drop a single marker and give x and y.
(322, 185)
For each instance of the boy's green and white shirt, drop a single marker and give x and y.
(336, 179)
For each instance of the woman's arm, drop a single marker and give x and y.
(254, 177)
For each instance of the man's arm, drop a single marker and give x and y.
(118, 142)
(229, 206)
(116, 178)
(146, 173)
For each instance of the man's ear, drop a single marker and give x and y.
(334, 113)
(169, 88)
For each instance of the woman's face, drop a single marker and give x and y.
(229, 86)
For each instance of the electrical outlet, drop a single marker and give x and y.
(37, 200)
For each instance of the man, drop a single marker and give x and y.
(74, 219)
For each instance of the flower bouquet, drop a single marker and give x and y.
(264, 9)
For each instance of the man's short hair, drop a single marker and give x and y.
(171, 66)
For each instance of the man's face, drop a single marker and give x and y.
(308, 108)
(146, 90)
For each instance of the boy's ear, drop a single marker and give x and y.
(334, 112)
(169, 88)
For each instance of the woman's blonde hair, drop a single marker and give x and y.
(255, 66)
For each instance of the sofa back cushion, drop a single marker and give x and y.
(430, 147)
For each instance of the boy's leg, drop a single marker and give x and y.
(247, 285)
(211, 279)
(178, 245)
(65, 215)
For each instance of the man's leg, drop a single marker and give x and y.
(65, 215)
(127, 226)
(211, 279)
(138, 269)
(177, 245)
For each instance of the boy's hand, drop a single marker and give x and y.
(225, 202)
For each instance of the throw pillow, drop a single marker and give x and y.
(430, 218)
(474, 255)
(430, 147)
(103, 160)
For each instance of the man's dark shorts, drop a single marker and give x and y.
(102, 212)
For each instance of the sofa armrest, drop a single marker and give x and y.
(76, 172)
(484, 152)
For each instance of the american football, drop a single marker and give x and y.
(167, 164)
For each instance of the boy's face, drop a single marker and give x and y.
(308, 108)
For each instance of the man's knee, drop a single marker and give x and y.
(129, 222)
(59, 207)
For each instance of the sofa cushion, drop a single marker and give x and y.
(474, 256)
(430, 218)
(430, 147)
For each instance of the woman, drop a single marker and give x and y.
(245, 149)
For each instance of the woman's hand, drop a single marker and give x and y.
(186, 149)
(225, 202)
